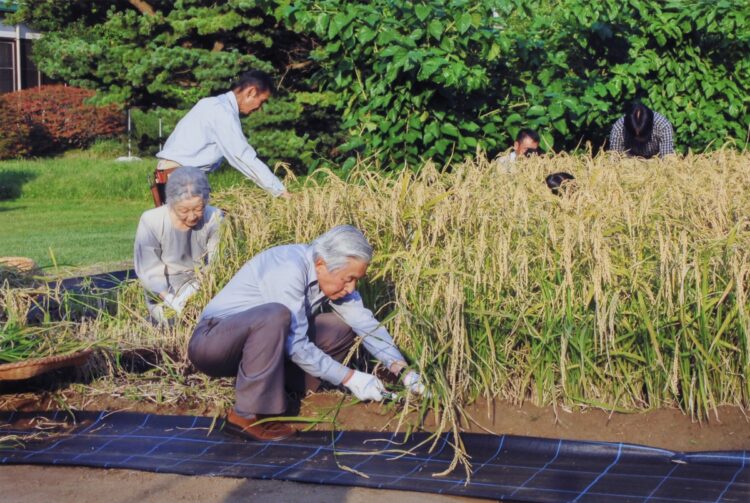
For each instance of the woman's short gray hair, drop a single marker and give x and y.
(185, 183)
(340, 244)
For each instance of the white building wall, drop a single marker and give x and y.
(25, 32)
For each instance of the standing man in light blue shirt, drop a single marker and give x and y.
(211, 132)
(271, 310)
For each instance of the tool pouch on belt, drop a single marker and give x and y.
(158, 186)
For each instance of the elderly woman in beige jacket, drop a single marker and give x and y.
(175, 241)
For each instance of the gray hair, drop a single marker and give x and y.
(340, 244)
(185, 183)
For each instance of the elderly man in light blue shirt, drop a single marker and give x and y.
(211, 132)
(271, 310)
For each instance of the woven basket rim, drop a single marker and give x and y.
(35, 366)
(21, 264)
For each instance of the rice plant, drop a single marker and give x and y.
(628, 292)
(19, 343)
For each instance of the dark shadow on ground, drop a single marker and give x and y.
(49, 382)
(11, 183)
(101, 363)
(74, 299)
(12, 209)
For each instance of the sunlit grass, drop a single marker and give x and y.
(69, 233)
(78, 210)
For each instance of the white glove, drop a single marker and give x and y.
(365, 386)
(168, 301)
(413, 382)
(183, 294)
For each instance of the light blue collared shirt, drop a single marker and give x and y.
(211, 131)
(286, 274)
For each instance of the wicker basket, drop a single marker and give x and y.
(35, 366)
(20, 264)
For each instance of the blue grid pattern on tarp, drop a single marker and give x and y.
(503, 467)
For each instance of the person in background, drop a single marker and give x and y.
(175, 241)
(642, 133)
(211, 132)
(271, 311)
(526, 145)
(559, 182)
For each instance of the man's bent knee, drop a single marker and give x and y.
(278, 313)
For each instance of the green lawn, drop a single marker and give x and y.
(76, 233)
(80, 208)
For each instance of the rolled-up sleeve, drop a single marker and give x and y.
(234, 147)
(149, 267)
(375, 337)
(287, 287)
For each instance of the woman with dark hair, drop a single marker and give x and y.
(642, 133)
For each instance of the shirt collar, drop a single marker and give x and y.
(312, 276)
(232, 99)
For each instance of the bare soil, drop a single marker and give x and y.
(37, 484)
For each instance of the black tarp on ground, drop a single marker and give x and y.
(504, 467)
(78, 297)
(102, 281)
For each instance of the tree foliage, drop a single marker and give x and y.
(417, 79)
(688, 59)
(169, 54)
(436, 78)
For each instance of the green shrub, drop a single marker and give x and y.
(414, 80)
(687, 59)
(436, 79)
(107, 148)
(145, 127)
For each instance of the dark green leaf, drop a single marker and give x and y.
(449, 129)
(422, 12)
(365, 34)
(561, 126)
(535, 111)
(464, 23)
(435, 28)
(338, 23)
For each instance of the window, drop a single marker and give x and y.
(29, 72)
(7, 75)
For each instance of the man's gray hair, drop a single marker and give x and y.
(185, 183)
(340, 244)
